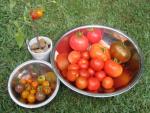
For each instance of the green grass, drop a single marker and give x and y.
(130, 16)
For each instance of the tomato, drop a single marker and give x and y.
(100, 75)
(36, 14)
(32, 91)
(91, 71)
(72, 75)
(85, 55)
(40, 96)
(93, 84)
(79, 42)
(120, 51)
(123, 79)
(19, 88)
(45, 84)
(98, 51)
(25, 94)
(22, 81)
(96, 64)
(64, 73)
(41, 79)
(74, 56)
(31, 98)
(73, 67)
(109, 90)
(81, 82)
(34, 84)
(94, 35)
(84, 73)
(47, 90)
(107, 83)
(83, 63)
(62, 61)
(113, 69)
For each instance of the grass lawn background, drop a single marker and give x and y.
(130, 16)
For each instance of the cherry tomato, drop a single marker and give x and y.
(19, 88)
(98, 51)
(72, 75)
(94, 35)
(81, 82)
(120, 51)
(74, 56)
(46, 90)
(84, 73)
(79, 42)
(83, 63)
(34, 84)
(40, 96)
(93, 84)
(36, 14)
(45, 83)
(32, 91)
(22, 81)
(96, 64)
(107, 83)
(62, 61)
(25, 94)
(73, 67)
(109, 90)
(123, 79)
(31, 98)
(91, 71)
(85, 55)
(100, 75)
(113, 69)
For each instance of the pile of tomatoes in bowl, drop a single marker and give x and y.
(34, 88)
(92, 65)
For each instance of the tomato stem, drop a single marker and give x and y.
(79, 34)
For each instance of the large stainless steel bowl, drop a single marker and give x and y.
(110, 35)
(19, 71)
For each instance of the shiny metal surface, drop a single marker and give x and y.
(110, 35)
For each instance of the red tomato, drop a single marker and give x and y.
(113, 69)
(62, 61)
(64, 73)
(94, 35)
(107, 83)
(36, 14)
(79, 42)
(72, 75)
(97, 64)
(81, 82)
(98, 51)
(84, 73)
(123, 79)
(73, 67)
(91, 71)
(85, 55)
(100, 75)
(83, 63)
(74, 56)
(93, 84)
(109, 90)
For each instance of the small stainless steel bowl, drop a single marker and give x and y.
(110, 35)
(19, 72)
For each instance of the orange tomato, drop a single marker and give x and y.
(47, 90)
(31, 98)
(34, 84)
(123, 79)
(98, 51)
(45, 84)
(24, 94)
(22, 81)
